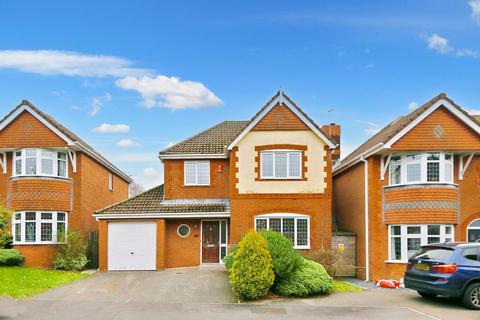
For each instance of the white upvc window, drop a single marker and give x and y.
(427, 167)
(197, 173)
(40, 162)
(38, 227)
(404, 240)
(110, 181)
(280, 164)
(293, 226)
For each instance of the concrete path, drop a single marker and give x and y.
(205, 294)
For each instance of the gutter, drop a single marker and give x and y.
(367, 236)
(354, 161)
(161, 215)
(192, 156)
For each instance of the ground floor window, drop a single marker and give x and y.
(405, 240)
(293, 226)
(31, 227)
(473, 231)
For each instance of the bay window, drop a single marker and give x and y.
(427, 167)
(34, 227)
(405, 240)
(280, 164)
(40, 162)
(293, 226)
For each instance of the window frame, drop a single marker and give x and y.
(404, 162)
(471, 227)
(110, 181)
(274, 153)
(196, 162)
(38, 225)
(282, 216)
(38, 162)
(423, 236)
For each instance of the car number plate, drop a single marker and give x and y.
(422, 267)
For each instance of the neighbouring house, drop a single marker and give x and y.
(52, 181)
(274, 172)
(416, 181)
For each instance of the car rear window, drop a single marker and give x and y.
(433, 253)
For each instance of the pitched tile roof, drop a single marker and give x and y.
(398, 125)
(213, 140)
(152, 202)
(70, 135)
(216, 139)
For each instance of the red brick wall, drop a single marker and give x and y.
(280, 117)
(38, 256)
(183, 252)
(456, 135)
(174, 181)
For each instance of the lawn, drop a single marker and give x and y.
(20, 282)
(343, 286)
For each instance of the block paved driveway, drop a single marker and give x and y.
(206, 294)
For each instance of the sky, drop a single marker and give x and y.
(133, 77)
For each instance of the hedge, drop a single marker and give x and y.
(11, 257)
(284, 258)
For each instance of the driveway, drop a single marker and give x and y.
(201, 294)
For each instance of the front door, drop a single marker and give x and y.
(210, 241)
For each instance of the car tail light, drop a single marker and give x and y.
(445, 268)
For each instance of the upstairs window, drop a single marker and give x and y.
(110, 181)
(280, 164)
(429, 167)
(197, 173)
(40, 162)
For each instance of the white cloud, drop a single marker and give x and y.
(371, 131)
(127, 143)
(98, 102)
(67, 63)
(112, 128)
(150, 172)
(412, 105)
(439, 44)
(475, 6)
(170, 92)
(475, 112)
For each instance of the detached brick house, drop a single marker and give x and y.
(272, 172)
(415, 182)
(52, 181)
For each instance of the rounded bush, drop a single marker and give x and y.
(11, 257)
(251, 275)
(284, 258)
(308, 279)
(229, 258)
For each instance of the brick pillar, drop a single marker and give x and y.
(102, 245)
(161, 243)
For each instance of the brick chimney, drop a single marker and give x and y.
(333, 131)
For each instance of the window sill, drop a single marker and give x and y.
(302, 248)
(35, 243)
(280, 179)
(40, 177)
(421, 184)
(196, 185)
(396, 262)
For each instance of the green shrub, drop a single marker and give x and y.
(72, 253)
(5, 234)
(251, 275)
(229, 258)
(284, 258)
(5, 239)
(308, 279)
(11, 257)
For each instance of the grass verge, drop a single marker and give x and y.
(343, 286)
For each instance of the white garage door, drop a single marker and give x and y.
(132, 245)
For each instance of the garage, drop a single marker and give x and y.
(132, 246)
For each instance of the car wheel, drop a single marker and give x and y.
(471, 296)
(427, 294)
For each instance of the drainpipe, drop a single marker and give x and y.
(367, 242)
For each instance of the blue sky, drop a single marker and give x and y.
(132, 77)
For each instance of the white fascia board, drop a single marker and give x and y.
(192, 156)
(104, 162)
(424, 115)
(281, 99)
(376, 148)
(27, 108)
(162, 215)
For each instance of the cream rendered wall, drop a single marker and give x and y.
(316, 163)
